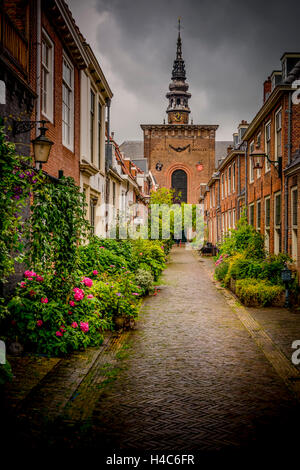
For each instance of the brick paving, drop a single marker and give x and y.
(193, 379)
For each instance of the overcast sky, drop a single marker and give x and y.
(229, 48)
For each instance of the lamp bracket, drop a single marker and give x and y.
(20, 127)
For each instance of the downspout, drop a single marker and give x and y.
(38, 60)
(286, 178)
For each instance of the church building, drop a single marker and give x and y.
(180, 154)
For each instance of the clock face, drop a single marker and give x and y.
(178, 116)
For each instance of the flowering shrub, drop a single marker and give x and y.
(51, 326)
(150, 253)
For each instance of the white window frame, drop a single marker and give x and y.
(229, 179)
(277, 130)
(258, 142)
(258, 222)
(49, 70)
(251, 168)
(277, 227)
(233, 218)
(294, 226)
(222, 186)
(69, 145)
(267, 164)
(233, 176)
(251, 206)
(225, 182)
(267, 227)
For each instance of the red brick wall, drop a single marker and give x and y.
(61, 158)
(157, 141)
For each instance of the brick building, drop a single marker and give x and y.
(181, 155)
(271, 172)
(17, 87)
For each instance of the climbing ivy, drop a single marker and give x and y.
(56, 227)
(16, 182)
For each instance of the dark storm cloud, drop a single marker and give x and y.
(230, 47)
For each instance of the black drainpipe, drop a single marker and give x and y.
(286, 178)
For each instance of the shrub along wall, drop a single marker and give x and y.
(244, 267)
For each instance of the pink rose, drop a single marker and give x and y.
(140, 254)
(62, 329)
(90, 296)
(29, 274)
(72, 303)
(44, 300)
(79, 294)
(74, 324)
(69, 312)
(39, 322)
(23, 284)
(87, 282)
(58, 333)
(39, 278)
(95, 272)
(84, 326)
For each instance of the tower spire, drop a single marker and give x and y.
(178, 109)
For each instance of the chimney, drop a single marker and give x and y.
(267, 88)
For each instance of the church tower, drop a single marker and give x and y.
(178, 110)
(180, 154)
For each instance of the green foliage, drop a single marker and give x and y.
(221, 270)
(6, 373)
(151, 253)
(272, 267)
(244, 239)
(241, 267)
(56, 225)
(254, 292)
(95, 256)
(144, 279)
(15, 185)
(162, 196)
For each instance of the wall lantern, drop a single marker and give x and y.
(199, 166)
(158, 166)
(41, 144)
(258, 157)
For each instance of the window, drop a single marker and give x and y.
(251, 168)
(99, 133)
(92, 122)
(258, 143)
(222, 186)
(233, 218)
(229, 180)
(67, 104)
(258, 215)
(294, 210)
(267, 145)
(114, 193)
(223, 225)
(229, 219)
(233, 177)
(278, 135)
(277, 223)
(251, 214)
(93, 203)
(225, 183)
(47, 77)
(267, 223)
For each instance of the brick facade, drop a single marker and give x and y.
(181, 147)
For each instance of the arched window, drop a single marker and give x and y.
(178, 101)
(179, 183)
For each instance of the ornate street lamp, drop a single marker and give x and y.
(42, 145)
(199, 166)
(258, 155)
